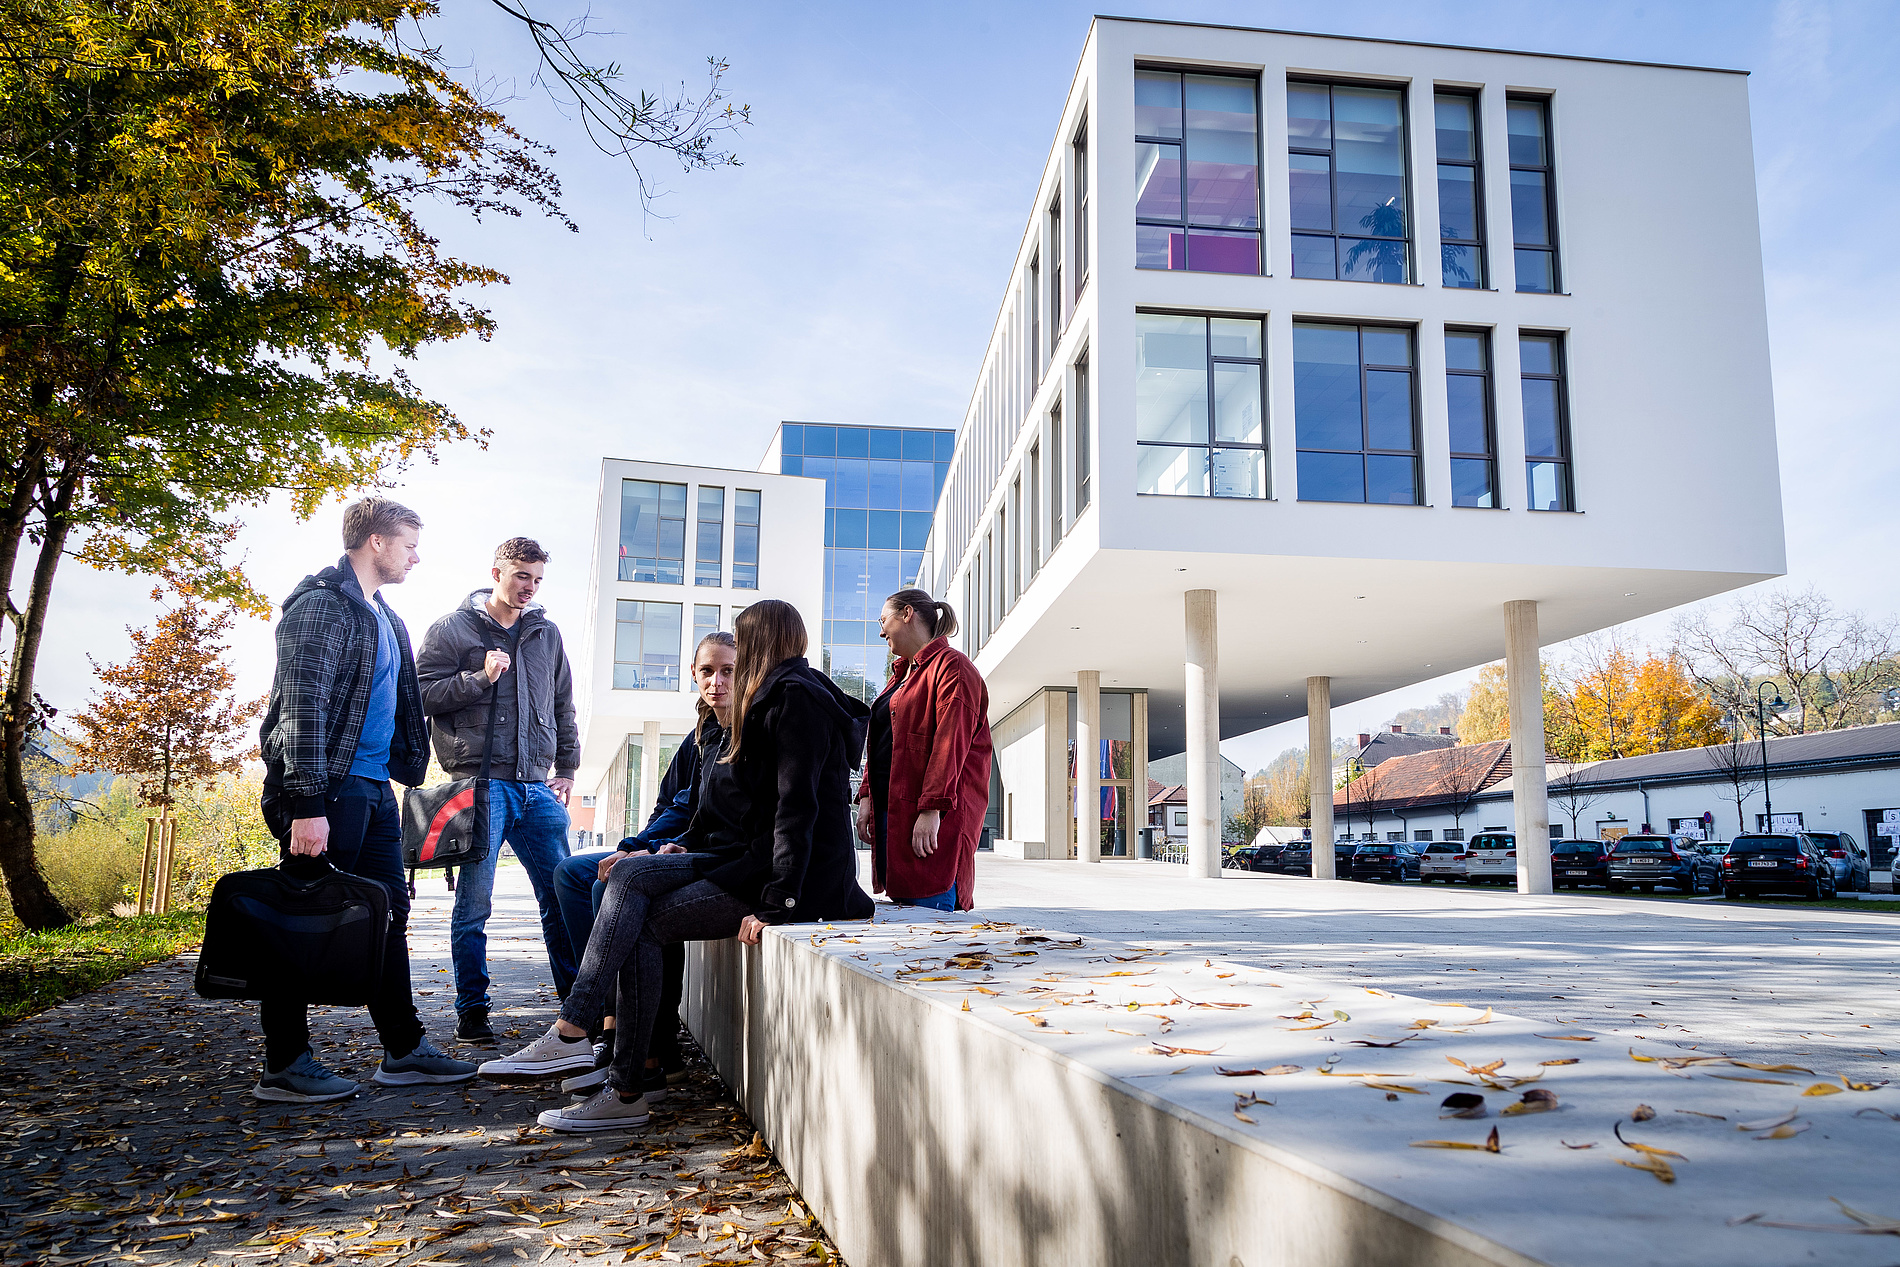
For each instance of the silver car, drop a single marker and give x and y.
(1491, 857)
(1853, 871)
(1442, 860)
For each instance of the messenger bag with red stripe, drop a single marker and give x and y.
(446, 825)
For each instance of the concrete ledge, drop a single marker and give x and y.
(924, 1133)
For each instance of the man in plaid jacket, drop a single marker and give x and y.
(345, 716)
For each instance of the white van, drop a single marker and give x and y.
(1491, 857)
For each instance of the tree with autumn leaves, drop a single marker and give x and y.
(1608, 702)
(213, 261)
(169, 715)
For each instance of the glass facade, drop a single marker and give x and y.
(1460, 190)
(881, 487)
(1197, 172)
(1200, 412)
(1533, 214)
(1354, 414)
(1346, 182)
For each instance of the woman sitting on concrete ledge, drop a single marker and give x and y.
(794, 734)
(927, 784)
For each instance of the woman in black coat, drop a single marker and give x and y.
(793, 736)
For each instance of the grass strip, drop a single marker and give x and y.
(38, 970)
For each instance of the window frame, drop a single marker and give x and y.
(1549, 170)
(1057, 528)
(718, 527)
(629, 563)
(1476, 164)
(739, 534)
(679, 659)
(1489, 375)
(1365, 410)
(1057, 307)
(1211, 445)
(1079, 184)
(1259, 231)
(1034, 466)
(1083, 467)
(1406, 183)
(1567, 457)
(1035, 319)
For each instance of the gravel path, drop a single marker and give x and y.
(127, 1132)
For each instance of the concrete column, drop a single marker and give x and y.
(1319, 772)
(1524, 693)
(1088, 766)
(1203, 735)
(649, 774)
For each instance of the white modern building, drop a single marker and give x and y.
(678, 552)
(1329, 365)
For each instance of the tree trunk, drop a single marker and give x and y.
(33, 901)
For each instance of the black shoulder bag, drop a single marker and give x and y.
(446, 825)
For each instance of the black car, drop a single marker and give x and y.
(1575, 863)
(1253, 858)
(1396, 861)
(1297, 858)
(1776, 862)
(1649, 862)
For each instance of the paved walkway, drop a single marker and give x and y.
(1772, 983)
(127, 1132)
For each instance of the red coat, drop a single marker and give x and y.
(940, 759)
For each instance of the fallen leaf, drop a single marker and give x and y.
(1381, 993)
(1490, 1144)
(1699, 1113)
(966, 1005)
(1823, 1088)
(1786, 1132)
(1735, 1077)
(1038, 1022)
(1654, 1165)
(1340, 1016)
(1393, 1086)
(1859, 1086)
(1321, 1025)
(1617, 1130)
(1576, 1146)
(1568, 1060)
(1162, 1049)
(1367, 1042)
(1769, 1123)
(1642, 1114)
(1461, 1104)
(1538, 1100)
(1225, 1072)
(1568, 1038)
(1750, 1064)
(1648, 1060)
(1243, 1117)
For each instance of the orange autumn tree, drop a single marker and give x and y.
(169, 714)
(1613, 704)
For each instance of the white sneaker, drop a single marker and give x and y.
(548, 1056)
(603, 1111)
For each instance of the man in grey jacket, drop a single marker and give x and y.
(498, 651)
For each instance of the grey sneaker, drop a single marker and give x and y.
(603, 1111)
(426, 1064)
(595, 1078)
(548, 1056)
(303, 1081)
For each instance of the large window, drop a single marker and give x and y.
(652, 532)
(1055, 476)
(1035, 509)
(745, 539)
(1200, 418)
(1081, 435)
(1353, 414)
(709, 552)
(1015, 540)
(1035, 320)
(1057, 307)
(1474, 473)
(1546, 422)
(646, 646)
(1079, 181)
(1460, 190)
(1346, 186)
(1533, 211)
(1197, 172)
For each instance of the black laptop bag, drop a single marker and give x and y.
(301, 929)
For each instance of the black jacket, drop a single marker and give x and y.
(538, 733)
(799, 860)
(319, 694)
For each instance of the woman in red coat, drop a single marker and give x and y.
(927, 784)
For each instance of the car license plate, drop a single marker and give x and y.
(1576, 873)
(1763, 862)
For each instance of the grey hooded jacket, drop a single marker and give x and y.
(535, 731)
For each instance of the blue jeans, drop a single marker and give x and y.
(580, 896)
(532, 823)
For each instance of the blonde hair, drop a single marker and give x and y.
(719, 638)
(769, 633)
(375, 517)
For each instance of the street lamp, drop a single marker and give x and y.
(1761, 728)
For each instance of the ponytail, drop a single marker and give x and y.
(938, 616)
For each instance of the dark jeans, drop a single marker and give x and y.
(365, 840)
(532, 823)
(652, 902)
(580, 896)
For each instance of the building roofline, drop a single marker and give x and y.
(1463, 48)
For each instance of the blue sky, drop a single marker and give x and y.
(850, 271)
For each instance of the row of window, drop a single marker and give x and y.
(1197, 165)
(648, 648)
(653, 534)
(1200, 412)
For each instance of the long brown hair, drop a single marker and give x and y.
(721, 638)
(939, 617)
(770, 632)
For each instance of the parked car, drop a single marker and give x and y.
(1298, 858)
(1253, 858)
(1492, 857)
(1645, 863)
(1776, 862)
(1575, 863)
(1442, 860)
(1395, 861)
(1267, 857)
(1853, 870)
